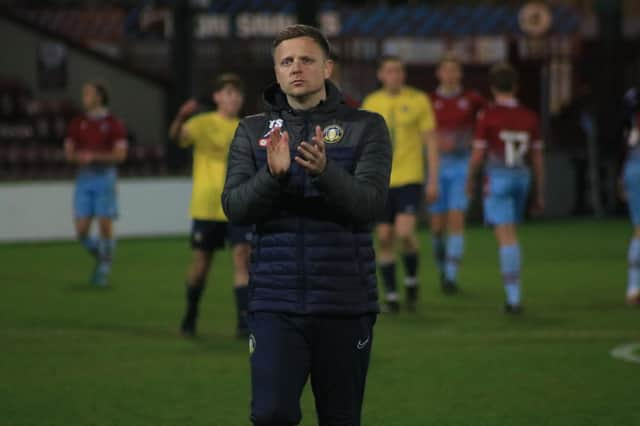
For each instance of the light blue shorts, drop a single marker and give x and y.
(506, 198)
(453, 178)
(95, 194)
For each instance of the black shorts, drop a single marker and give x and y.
(210, 235)
(402, 199)
(239, 234)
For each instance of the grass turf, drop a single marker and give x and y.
(72, 354)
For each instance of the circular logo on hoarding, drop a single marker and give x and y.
(535, 19)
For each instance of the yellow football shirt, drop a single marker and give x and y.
(211, 135)
(408, 115)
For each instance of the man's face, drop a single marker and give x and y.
(301, 66)
(449, 73)
(90, 97)
(392, 75)
(229, 100)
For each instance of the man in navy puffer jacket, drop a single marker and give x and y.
(312, 175)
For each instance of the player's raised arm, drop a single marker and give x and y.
(177, 130)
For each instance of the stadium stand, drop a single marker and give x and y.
(32, 132)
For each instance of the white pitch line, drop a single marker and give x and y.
(629, 352)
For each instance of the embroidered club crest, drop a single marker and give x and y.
(332, 134)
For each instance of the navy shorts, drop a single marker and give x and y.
(287, 349)
(402, 199)
(239, 234)
(211, 235)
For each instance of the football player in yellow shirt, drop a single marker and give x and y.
(411, 122)
(210, 134)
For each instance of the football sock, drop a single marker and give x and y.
(455, 248)
(106, 248)
(90, 244)
(410, 261)
(194, 293)
(510, 267)
(388, 271)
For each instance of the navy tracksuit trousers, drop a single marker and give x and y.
(287, 349)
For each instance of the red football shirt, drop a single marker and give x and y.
(456, 117)
(508, 131)
(96, 134)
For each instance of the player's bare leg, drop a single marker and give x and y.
(405, 230)
(386, 263)
(199, 266)
(633, 256)
(241, 253)
(506, 234)
(510, 265)
(196, 280)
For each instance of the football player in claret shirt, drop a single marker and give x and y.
(507, 139)
(96, 142)
(631, 190)
(456, 109)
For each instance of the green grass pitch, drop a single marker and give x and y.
(72, 354)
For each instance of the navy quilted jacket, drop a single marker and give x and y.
(312, 249)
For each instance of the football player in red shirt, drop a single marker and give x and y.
(456, 109)
(507, 139)
(96, 142)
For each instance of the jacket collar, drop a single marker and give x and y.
(275, 100)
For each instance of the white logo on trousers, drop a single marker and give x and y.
(361, 344)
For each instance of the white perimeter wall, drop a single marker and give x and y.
(32, 211)
(43, 211)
